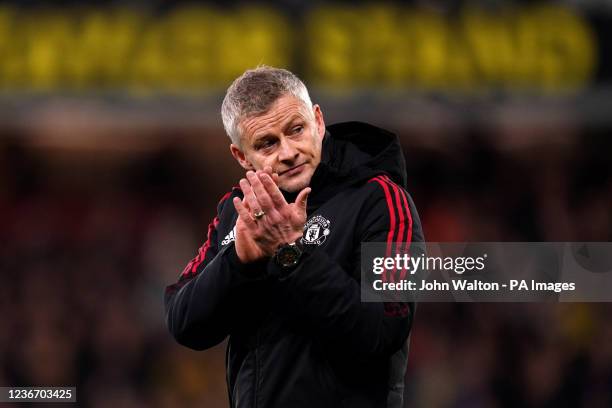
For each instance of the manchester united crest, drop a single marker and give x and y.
(316, 230)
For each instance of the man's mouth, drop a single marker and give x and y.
(292, 170)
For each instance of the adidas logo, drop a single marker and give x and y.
(229, 237)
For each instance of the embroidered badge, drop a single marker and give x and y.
(316, 230)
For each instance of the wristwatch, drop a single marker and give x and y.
(288, 255)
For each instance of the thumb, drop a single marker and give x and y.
(302, 198)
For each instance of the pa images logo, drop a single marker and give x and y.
(316, 230)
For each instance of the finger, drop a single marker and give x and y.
(268, 169)
(252, 204)
(244, 213)
(272, 189)
(263, 198)
(247, 206)
(302, 198)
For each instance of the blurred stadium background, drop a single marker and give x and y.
(112, 157)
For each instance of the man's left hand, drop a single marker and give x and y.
(280, 223)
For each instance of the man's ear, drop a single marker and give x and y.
(319, 121)
(240, 157)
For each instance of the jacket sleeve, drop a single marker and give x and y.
(328, 298)
(199, 305)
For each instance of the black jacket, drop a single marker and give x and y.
(305, 339)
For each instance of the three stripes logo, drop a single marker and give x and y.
(229, 237)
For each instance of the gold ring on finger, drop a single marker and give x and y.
(259, 214)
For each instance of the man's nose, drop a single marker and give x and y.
(287, 152)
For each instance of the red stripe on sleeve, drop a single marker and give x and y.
(202, 252)
(391, 209)
(400, 234)
(193, 265)
(225, 196)
(396, 309)
(403, 205)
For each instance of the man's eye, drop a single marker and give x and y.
(297, 129)
(265, 144)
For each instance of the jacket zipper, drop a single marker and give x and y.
(227, 374)
(256, 369)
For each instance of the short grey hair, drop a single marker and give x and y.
(254, 92)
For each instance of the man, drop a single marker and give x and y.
(279, 272)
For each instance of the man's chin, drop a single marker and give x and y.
(294, 186)
(289, 188)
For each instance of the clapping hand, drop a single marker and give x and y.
(265, 219)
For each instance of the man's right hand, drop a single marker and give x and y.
(283, 222)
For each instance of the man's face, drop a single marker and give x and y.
(288, 138)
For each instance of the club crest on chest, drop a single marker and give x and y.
(316, 230)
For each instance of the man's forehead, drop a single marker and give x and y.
(283, 111)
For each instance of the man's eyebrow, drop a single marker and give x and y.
(258, 139)
(295, 117)
(262, 135)
(289, 122)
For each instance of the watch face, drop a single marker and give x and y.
(287, 256)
